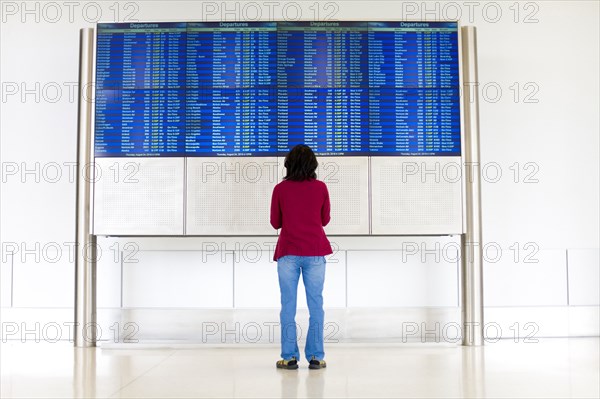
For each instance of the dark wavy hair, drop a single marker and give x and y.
(301, 163)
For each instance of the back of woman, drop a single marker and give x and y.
(300, 208)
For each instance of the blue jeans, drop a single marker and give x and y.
(313, 275)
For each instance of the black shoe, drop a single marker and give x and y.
(315, 364)
(291, 364)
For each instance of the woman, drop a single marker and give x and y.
(300, 207)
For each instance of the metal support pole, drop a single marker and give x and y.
(85, 248)
(471, 241)
(84, 373)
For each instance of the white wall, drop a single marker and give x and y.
(544, 125)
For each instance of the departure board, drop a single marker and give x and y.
(259, 88)
(230, 94)
(323, 86)
(414, 99)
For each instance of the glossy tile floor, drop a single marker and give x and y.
(559, 368)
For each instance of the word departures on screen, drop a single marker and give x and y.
(259, 88)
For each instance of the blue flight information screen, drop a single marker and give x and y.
(259, 88)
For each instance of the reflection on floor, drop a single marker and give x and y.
(559, 368)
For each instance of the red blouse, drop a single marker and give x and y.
(301, 209)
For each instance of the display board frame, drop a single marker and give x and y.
(471, 283)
